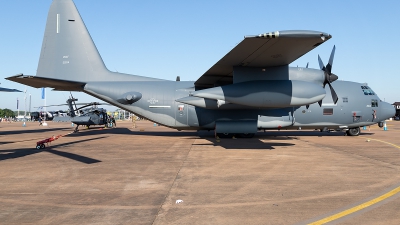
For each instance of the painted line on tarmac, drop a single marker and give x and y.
(396, 146)
(357, 208)
(363, 205)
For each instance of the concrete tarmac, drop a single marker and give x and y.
(129, 175)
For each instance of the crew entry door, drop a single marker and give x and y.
(181, 114)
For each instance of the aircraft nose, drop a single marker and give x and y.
(387, 111)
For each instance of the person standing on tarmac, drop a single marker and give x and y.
(113, 122)
(40, 121)
(108, 121)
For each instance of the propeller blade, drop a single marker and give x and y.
(330, 63)
(320, 103)
(321, 64)
(307, 106)
(334, 95)
(307, 65)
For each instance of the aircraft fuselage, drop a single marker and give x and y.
(158, 103)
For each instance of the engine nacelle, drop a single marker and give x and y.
(266, 94)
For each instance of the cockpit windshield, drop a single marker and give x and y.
(367, 90)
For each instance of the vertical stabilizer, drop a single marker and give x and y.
(68, 52)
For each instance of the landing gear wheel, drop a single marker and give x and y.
(247, 135)
(38, 147)
(353, 131)
(224, 135)
(42, 146)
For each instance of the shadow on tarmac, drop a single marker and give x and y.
(17, 153)
(244, 143)
(205, 134)
(33, 131)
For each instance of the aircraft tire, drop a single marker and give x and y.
(42, 146)
(246, 135)
(38, 147)
(353, 131)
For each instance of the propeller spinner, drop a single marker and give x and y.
(329, 76)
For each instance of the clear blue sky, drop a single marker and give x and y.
(165, 39)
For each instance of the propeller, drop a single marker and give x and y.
(329, 76)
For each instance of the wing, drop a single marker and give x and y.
(265, 50)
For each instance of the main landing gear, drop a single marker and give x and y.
(353, 131)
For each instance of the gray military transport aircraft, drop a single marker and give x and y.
(250, 88)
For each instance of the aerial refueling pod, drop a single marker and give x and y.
(266, 94)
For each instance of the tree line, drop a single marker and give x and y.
(7, 113)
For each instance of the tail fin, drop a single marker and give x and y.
(68, 51)
(69, 59)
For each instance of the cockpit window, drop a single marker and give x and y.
(374, 103)
(367, 90)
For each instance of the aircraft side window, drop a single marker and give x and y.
(374, 103)
(328, 111)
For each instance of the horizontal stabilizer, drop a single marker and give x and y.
(9, 90)
(39, 82)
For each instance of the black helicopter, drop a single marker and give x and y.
(87, 115)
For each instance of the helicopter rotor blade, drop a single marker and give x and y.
(89, 104)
